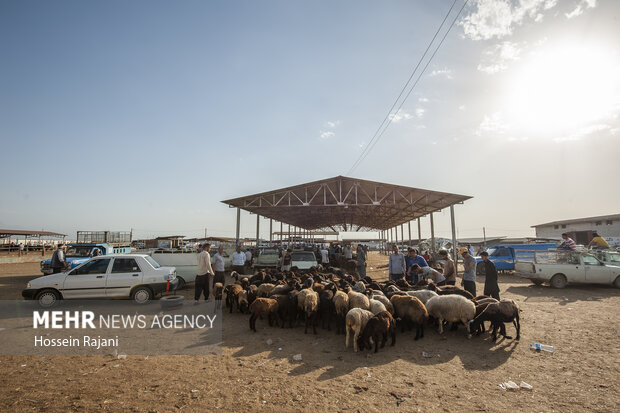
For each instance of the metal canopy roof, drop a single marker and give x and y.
(5, 233)
(347, 203)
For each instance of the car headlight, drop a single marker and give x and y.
(27, 285)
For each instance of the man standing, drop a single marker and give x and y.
(491, 288)
(449, 270)
(348, 251)
(469, 276)
(238, 260)
(58, 259)
(361, 261)
(218, 266)
(205, 272)
(287, 260)
(568, 244)
(248, 260)
(324, 257)
(396, 266)
(414, 258)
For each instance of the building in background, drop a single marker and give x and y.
(581, 229)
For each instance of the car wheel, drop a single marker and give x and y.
(536, 282)
(480, 269)
(558, 281)
(47, 298)
(181, 283)
(617, 282)
(142, 295)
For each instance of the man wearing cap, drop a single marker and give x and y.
(396, 265)
(449, 271)
(205, 273)
(469, 276)
(58, 259)
(491, 288)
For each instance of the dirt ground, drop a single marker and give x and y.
(583, 374)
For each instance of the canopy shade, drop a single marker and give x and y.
(346, 203)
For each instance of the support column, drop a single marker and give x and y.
(289, 235)
(419, 234)
(432, 233)
(238, 224)
(257, 229)
(281, 234)
(270, 230)
(409, 225)
(402, 233)
(396, 233)
(454, 251)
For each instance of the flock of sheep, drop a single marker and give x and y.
(367, 311)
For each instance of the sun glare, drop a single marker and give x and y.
(560, 90)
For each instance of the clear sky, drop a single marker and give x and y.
(146, 114)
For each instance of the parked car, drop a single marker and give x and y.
(559, 268)
(267, 257)
(134, 276)
(303, 260)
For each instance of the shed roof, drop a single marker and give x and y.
(5, 233)
(580, 220)
(348, 203)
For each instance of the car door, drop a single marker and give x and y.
(596, 271)
(125, 273)
(87, 280)
(502, 259)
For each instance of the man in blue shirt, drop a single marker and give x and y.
(414, 258)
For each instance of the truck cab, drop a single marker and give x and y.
(504, 256)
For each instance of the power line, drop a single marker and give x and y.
(388, 118)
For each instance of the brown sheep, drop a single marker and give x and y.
(263, 307)
(218, 289)
(232, 291)
(411, 311)
(378, 328)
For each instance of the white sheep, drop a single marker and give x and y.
(359, 287)
(355, 322)
(358, 300)
(341, 307)
(376, 306)
(452, 308)
(423, 295)
(386, 302)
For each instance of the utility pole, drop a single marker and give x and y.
(484, 237)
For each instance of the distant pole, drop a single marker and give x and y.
(432, 233)
(238, 223)
(454, 251)
(484, 236)
(270, 230)
(419, 233)
(205, 233)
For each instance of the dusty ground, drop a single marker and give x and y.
(250, 375)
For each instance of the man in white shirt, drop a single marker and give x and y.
(238, 260)
(348, 252)
(248, 259)
(324, 257)
(205, 272)
(218, 266)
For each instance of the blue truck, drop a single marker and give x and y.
(504, 255)
(106, 242)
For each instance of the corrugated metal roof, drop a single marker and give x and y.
(4, 233)
(347, 203)
(578, 220)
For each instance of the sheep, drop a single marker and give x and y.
(450, 289)
(242, 301)
(358, 300)
(311, 307)
(355, 321)
(232, 291)
(262, 307)
(386, 302)
(287, 307)
(423, 295)
(282, 289)
(452, 308)
(264, 290)
(481, 305)
(252, 293)
(391, 289)
(378, 327)
(359, 287)
(341, 307)
(411, 311)
(326, 308)
(498, 313)
(376, 306)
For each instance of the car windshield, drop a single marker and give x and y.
(151, 261)
(303, 256)
(612, 257)
(491, 251)
(269, 252)
(78, 252)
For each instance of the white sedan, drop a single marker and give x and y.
(134, 276)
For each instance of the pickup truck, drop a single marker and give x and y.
(134, 276)
(267, 257)
(504, 256)
(558, 268)
(79, 253)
